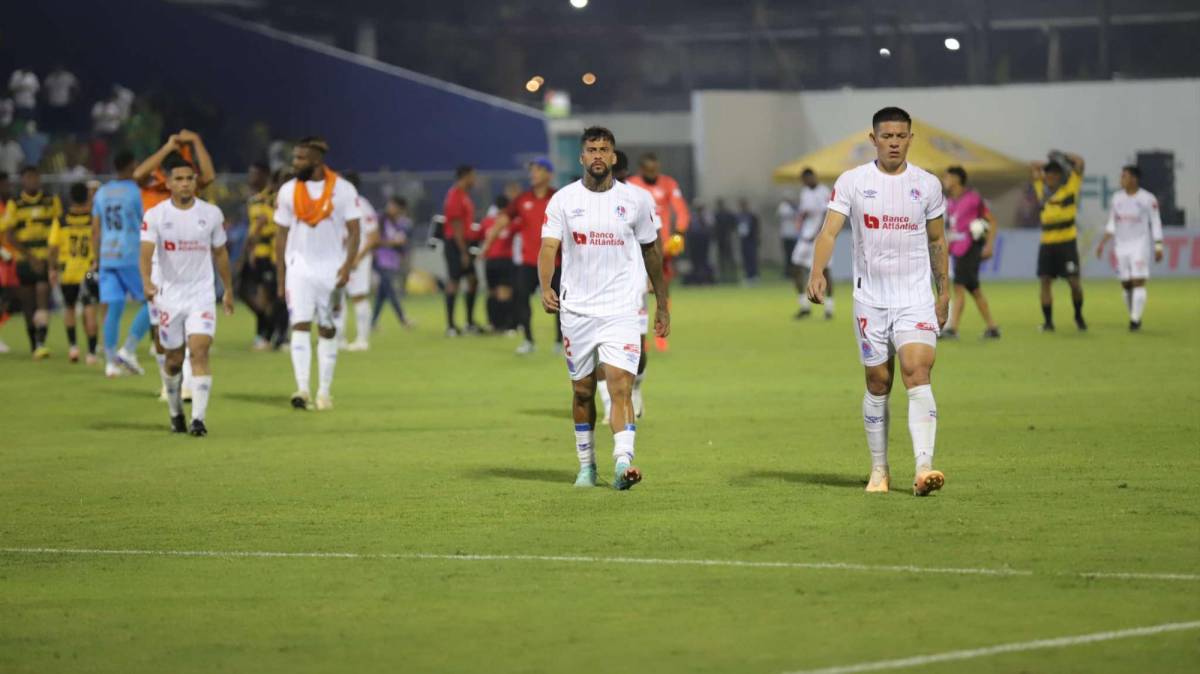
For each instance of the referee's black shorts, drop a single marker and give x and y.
(454, 264)
(1058, 259)
(966, 267)
(500, 272)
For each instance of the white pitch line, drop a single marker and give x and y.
(580, 559)
(1019, 647)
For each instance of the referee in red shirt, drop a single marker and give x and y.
(459, 212)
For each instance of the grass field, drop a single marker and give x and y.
(445, 472)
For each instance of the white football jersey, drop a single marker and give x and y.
(814, 201)
(318, 249)
(1134, 220)
(184, 241)
(368, 222)
(602, 234)
(891, 247)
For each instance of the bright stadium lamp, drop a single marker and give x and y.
(952, 43)
(589, 78)
(579, 4)
(885, 52)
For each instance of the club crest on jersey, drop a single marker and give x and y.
(914, 194)
(620, 211)
(869, 194)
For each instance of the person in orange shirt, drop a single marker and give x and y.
(153, 182)
(668, 200)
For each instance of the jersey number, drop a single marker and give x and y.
(80, 246)
(112, 217)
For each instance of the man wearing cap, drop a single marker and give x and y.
(524, 218)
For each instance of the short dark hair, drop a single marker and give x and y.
(807, 172)
(123, 160)
(501, 201)
(78, 194)
(890, 114)
(261, 166)
(27, 169)
(352, 177)
(399, 201)
(597, 133)
(1053, 167)
(1133, 171)
(463, 169)
(314, 143)
(174, 161)
(622, 162)
(647, 156)
(960, 172)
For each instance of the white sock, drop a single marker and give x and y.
(922, 423)
(201, 385)
(605, 397)
(339, 319)
(585, 445)
(327, 350)
(1137, 304)
(174, 397)
(187, 369)
(828, 306)
(805, 304)
(875, 421)
(623, 444)
(362, 321)
(301, 358)
(161, 359)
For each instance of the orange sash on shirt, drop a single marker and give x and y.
(313, 212)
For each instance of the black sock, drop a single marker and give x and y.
(1078, 309)
(493, 314)
(92, 344)
(470, 308)
(40, 335)
(451, 299)
(1048, 313)
(71, 335)
(262, 320)
(32, 332)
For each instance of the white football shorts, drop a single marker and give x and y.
(880, 331)
(1133, 265)
(310, 298)
(177, 321)
(612, 340)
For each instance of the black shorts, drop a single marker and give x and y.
(87, 292)
(454, 266)
(26, 275)
(500, 272)
(262, 272)
(966, 267)
(1058, 259)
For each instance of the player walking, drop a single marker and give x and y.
(668, 199)
(71, 261)
(814, 201)
(1133, 221)
(188, 236)
(357, 294)
(28, 220)
(316, 247)
(116, 217)
(896, 214)
(607, 232)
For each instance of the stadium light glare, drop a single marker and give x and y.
(885, 52)
(532, 86)
(579, 4)
(952, 43)
(539, 79)
(589, 78)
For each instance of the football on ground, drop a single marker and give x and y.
(429, 523)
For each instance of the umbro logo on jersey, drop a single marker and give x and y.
(577, 213)
(869, 194)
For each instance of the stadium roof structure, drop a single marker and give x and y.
(932, 148)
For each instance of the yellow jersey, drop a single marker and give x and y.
(261, 210)
(1059, 209)
(73, 238)
(29, 219)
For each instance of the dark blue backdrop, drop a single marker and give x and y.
(373, 116)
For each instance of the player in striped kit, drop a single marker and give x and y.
(896, 212)
(608, 235)
(1133, 221)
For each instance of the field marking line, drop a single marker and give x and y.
(1018, 647)
(580, 559)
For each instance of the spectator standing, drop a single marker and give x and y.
(33, 143)
(789, 227)
(7, 109)
(748, 236)
(24, 86)
(391, 258)
(12, 157)
(61, 89)
(726, 227)
(699, 241)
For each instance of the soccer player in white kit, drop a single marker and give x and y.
(358, 288)
(608, 233)
(814, 199)
(896, 212)
(1133, 221)
(188, 236)
(317, 213)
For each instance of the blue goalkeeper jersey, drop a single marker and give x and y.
(118, 208)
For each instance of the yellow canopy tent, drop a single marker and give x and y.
(932, 149)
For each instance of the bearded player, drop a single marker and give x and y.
(896, 213)
(607, 233)
(317, 213)
(668, 199)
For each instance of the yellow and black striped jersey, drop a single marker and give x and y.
(73, 237)
(261, 210)
(1059, 209)
(29, 218)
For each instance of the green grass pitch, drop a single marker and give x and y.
(1065, 454)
